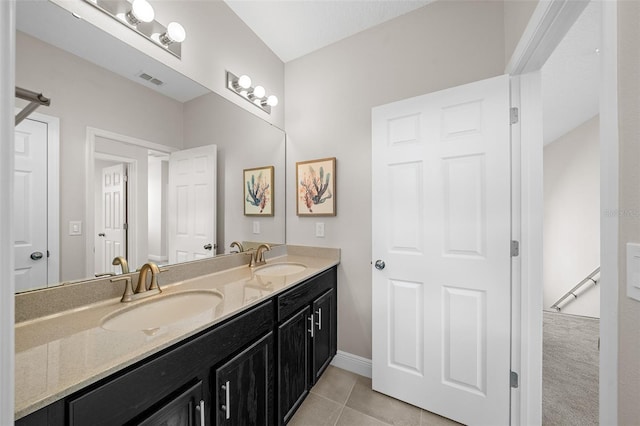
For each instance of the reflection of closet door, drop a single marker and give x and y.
(30, 205)
(111, 228)
(191, 208)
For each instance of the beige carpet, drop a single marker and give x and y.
(570, 370)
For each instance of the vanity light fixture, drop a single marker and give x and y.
(175, 34)
(256, 95)
(139, 16)
(141, 11)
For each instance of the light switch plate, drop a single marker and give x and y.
(256, 227)
(633, 271)
(75, 227)
(320, 229)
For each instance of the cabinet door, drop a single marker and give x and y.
(244, 386)
(324, 333)
(185, 409)
(293, 363)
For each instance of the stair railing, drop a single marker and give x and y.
(572, 292)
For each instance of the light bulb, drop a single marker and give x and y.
(142, 11)
(244, 81)
(259, 92)
(272, 100)
(176, 32)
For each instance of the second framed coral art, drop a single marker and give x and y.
(316, 187)
(258, 191)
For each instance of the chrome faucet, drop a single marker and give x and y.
(122, 262)
(259, 259)
(238, 245)
(141, 290)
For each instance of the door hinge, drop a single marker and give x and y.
(514, 380)
(125, 226)
(514, 115)
(515, 248)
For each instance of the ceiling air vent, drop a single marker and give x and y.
(150, 79)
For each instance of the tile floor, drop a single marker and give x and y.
(343, 398)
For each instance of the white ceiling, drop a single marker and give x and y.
(294, 28)
(571, 76)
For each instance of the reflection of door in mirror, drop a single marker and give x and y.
(192, 195)
(111, 216)
(34, 233)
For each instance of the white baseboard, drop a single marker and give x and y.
(354, 363)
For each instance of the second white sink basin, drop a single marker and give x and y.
(162, 310)
(280, 269)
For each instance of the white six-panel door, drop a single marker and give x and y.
(191, 204)
(30, 205)
(441, 225)
(111, 229)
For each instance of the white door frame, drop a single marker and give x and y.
(7, 150)
(92, 134)
(53, 194)
(547, 26)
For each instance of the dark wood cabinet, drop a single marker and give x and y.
(324, 329)
(306, 339)
(187, 408)
(244, 386)
(293, 363)
(254, 368)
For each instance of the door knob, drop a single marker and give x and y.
(379, 265)
(36, 255)
(102, 234)
(208, 246)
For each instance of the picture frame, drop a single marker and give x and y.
(316, 187)
(258, 191)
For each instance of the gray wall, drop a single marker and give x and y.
(629, 181)
(329, 96)
(572, 217)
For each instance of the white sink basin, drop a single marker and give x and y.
(162, 310)
(280, 269)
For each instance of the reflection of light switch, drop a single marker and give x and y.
(320, 229)
(633, 271)
(256, 227)
(75, 227)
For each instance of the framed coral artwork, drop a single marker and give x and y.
(258, 191)
(316, 187)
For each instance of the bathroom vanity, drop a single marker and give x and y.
(250, 359)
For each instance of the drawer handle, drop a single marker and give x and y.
(319, 323)
(200, 408)
(311, 321)
(226, 407)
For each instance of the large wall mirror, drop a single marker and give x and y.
(123, 135)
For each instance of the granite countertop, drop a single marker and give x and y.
(59, 354)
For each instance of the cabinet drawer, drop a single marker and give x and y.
(120, 398)
(292, 300)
